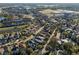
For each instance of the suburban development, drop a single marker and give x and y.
(39, 29)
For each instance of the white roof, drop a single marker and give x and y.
(65, 40)
(1, 36)
(68, 29)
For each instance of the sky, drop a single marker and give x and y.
(39, 1)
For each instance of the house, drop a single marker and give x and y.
(2, 18)
(1, 36)
(66, 40)
(32, 44)
(1, 50)
(15, 50)
(38, 40)
(41, 37)
(59, 42)
(68, 29)
(35, 41)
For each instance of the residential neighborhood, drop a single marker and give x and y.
(39, 29)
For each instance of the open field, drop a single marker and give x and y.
(12, 28)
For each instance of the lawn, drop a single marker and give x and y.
(12, 28)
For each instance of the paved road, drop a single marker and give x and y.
(16, 40)
(29, 38)
(43, 50)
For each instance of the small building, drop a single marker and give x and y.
(32, 44)
(39, 40)
(2, 18)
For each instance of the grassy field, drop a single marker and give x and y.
(12, 28)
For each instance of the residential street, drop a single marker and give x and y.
(43, 50)
(29, 38)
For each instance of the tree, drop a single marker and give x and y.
(77, 40)
(1, 25)
(67, 33)
(29, 51)
(68, 47)
(22, 51)
(39, 46)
